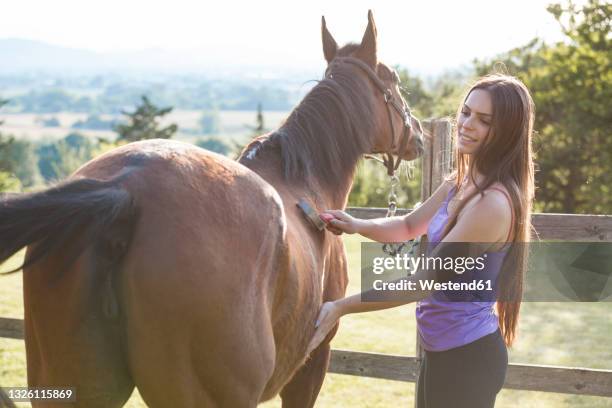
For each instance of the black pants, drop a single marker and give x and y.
(466, 376)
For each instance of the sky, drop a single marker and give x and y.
(428, 36)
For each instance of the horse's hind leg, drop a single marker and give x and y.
(304, 387)
(184, 370)
(69, 342)
(195, 349)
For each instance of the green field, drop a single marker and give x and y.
(233, 125)
(566, 334)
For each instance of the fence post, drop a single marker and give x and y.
(436, 164)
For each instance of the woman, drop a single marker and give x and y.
(487, 200)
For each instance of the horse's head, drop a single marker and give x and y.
(397, 131)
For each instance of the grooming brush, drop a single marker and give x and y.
(311, 214)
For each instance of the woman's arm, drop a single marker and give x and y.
(392, 229)
(331, 312)
(355, 304)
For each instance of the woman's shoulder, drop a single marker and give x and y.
(487, 218)
(495, 201)
(493, 204)
(499, 196)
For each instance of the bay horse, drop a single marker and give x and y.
(194, 277)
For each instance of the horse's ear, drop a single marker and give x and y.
(329, 44)
(367, 50)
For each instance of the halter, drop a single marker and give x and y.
(391, 102)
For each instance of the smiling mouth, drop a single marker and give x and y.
(467, 138)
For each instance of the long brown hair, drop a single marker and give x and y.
(505, 157)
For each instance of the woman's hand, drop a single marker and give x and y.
(328, 317)
(338, 222)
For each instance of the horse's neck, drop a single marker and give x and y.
(268, 165)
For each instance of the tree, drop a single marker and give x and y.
(418, 98)
(8, 181)
(143, 123)
(371, 185)
(22, 155)
(94, 122)
(260, 127)
(447, 90)
(571, 84)
(257, 130)
(49, 122)
(210, 122)
(214, 145)
(436, 99)
(58, 160)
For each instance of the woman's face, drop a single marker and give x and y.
(474, 121)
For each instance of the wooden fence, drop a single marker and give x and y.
(435, 164)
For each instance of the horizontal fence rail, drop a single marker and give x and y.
(567, 380)
(11, 328)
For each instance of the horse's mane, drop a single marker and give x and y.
(327, 132)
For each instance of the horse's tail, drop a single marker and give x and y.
(72, 216)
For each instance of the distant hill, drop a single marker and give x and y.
(18, 55)
(21, 56)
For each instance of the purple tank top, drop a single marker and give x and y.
(443, 325)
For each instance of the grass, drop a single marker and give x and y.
(567, 334)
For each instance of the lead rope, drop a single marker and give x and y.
(393, 249)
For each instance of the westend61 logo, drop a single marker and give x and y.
(411, 264)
